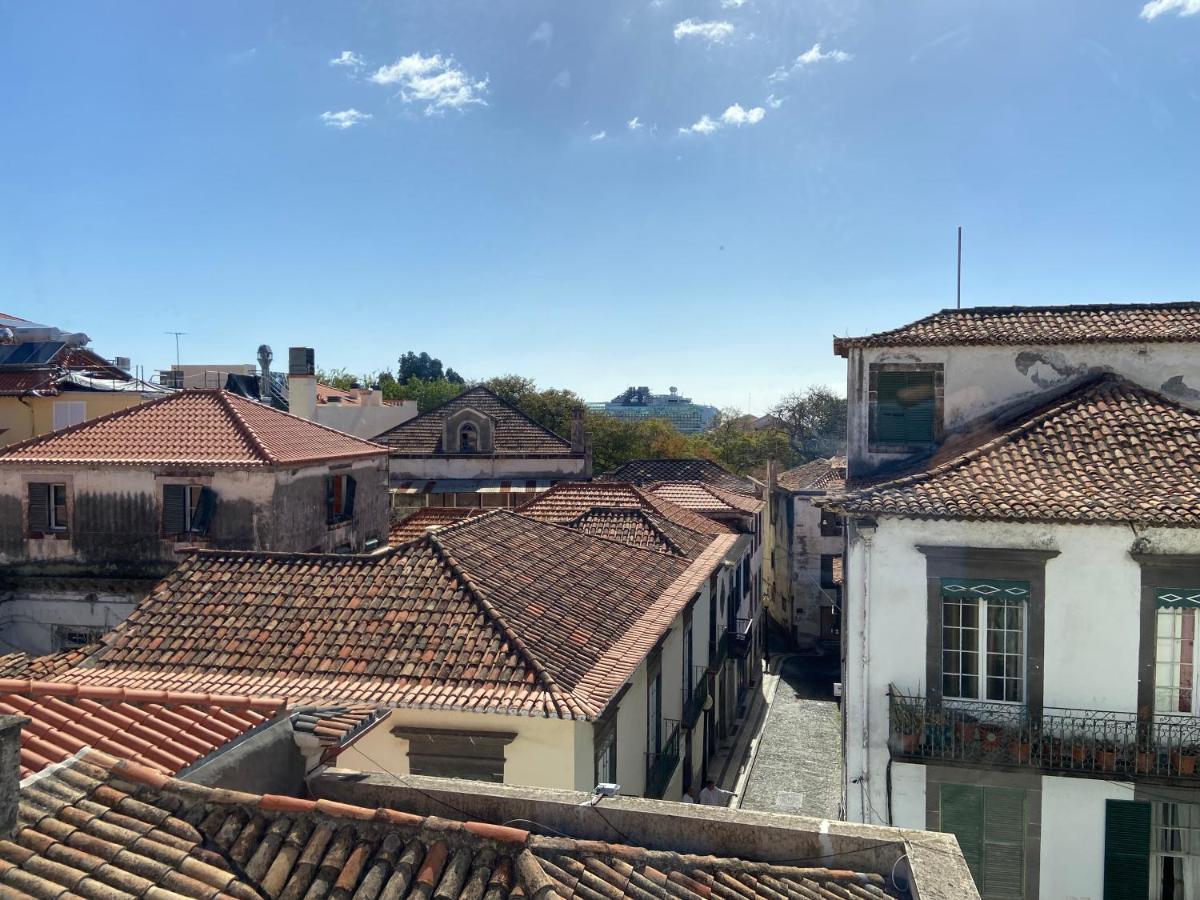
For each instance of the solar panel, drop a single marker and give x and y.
(31, 353)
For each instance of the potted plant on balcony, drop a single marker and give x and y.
(1146, 760)
(991, 737)
(966, 729)
(1107, 756)
(908, 731)
(1183, 760)
(1018, 748)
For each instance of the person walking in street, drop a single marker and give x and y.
(715, 796)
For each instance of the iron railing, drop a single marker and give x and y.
(718, 652)
(742, 637)
(661, 762)
(1093, 742)
(695, 692)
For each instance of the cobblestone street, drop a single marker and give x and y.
(798, 765)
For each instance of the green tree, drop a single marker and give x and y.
(337, 378)
(816, 422)
(552, 408)
(428, 394)
(424, 367)
(742, 449)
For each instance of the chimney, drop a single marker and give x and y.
(302, 383)
(10, 772)
(772, 474)
(374, 396)
(264, 380)
(577, 435)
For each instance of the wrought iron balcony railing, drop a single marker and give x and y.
(742, 637)
(718, 652)
(1088, 742)
(695, 692)
(662, 762)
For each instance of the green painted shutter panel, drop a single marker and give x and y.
(39, 506)
(1003, 844)
(174, 501)
(904, 407)
(1177, 598)
(962, 816)
(348, 506)
(1126, 850)
(202, 518)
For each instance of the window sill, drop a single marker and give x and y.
(901, 448)
(49, 536)
(338, 522)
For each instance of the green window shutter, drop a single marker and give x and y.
(987, 588)
(904, 407)
(174, 501)
(1003, 843)
(202, 518)
(1126, 850)
(39, 506)
(1177, 598)
(962, 816)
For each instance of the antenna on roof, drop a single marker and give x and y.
(958, 291)
(177, 334)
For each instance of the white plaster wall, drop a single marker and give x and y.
(364, 421)
(1073, 835)
(979, 380)
(1091, 641)
(808, 546)
(908, 795)
(433, 468)
(27, 622)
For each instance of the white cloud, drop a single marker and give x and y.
(543, 34)
(1156, 8)
(598, 136)
(348, 58)
(436, 81)
(347, 118)
(775, 102)
(732, 4)
(705, 125)
(713, 32)
(634, 124)
(811, 57)
(737, 116)
(562, 79)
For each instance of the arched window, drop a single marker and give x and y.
(468, 439)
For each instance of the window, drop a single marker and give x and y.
(47, 508)
(989, 823)
(187, 509)
(827, 576)
(1127, 837)
(983, 639)
(606, 752)
(72, 637)
(468, 438)
(340, 498)
(1174, 851)
(654, 727)
(1175, 650)
(831, 524)
(688, 655)
(443, 753)
(68, 413)
(905, 405)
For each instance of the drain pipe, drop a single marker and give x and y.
(866, 532)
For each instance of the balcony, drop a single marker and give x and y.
(661, 763)
(718, 651)
(1082, 742)
(695, 694)
(742, 638)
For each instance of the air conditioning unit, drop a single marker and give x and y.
(123, 363)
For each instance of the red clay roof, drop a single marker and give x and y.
(1109, 451)
(636, 527)
(1120, 323)
(104, 827)
(497, 613)
(566, 501)
(192, 427)
(817, 475)
(165, 730)
(705, 498)
(648, 471)
(514, 433)
(426, 518)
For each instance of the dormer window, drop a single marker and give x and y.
(468, 438)
(905, 407)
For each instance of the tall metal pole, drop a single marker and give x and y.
(177, 334)
(958, 291)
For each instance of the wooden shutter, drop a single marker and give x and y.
(174, 503)
(1126, 850)
(348, 502)
(1003, 843)
(904, 407)
(39, 507)
(330, 493)
(962, 816)
(202, 517)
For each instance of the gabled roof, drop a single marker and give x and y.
(165, 730)
(192, 427)
(646, 471)
(498, 613)
(41, 366)
(428, 518)
(514, 434)
(43, 668)
(105, 827)
(1117, 323)
(817, 475)
(705, 498)
(629, 526)
(566, 501)
(1107, 452)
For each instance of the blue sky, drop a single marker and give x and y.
(476, 189)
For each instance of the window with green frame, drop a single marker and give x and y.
(905, 408)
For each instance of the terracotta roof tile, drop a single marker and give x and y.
(817, 475)
(704, 498)
(1109, 451)
(22, 665)
(515, 433)
(104, 827)
(426, 518)
(647, 471)
(1005, 325)
(194, 427)
(567, 501)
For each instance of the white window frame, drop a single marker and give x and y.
(68, 413)
(1175, 615)
(1175, 834)
(981, 644)
(54, 523)
(191, 502)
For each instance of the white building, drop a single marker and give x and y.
(1022, 583)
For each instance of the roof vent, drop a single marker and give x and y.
(300, 361)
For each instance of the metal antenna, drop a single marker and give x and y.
(958, 292)
(177, 334)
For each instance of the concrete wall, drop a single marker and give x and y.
(433, 468)
(985, 380)
(1073, 836)
(908, 795)
(263, 761)
(365, 420)
(21, 419)
(295, 518)
(808, 545)
(32, 609)
(10, 772)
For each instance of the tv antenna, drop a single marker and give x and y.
(177, 334)
(958, 290)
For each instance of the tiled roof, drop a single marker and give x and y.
(514, 433)
(497, 613)
(817, 475)
(646, 471)
(22, 665)
(331, 725)
(108, 828)
(165, 730)
(426, 518)
(1109, 451)
(193, 427)
(1121, 323)
(629, 526)
(705, 498)
(327, 393)
(565, 502)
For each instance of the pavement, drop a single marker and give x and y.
(796, 762)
